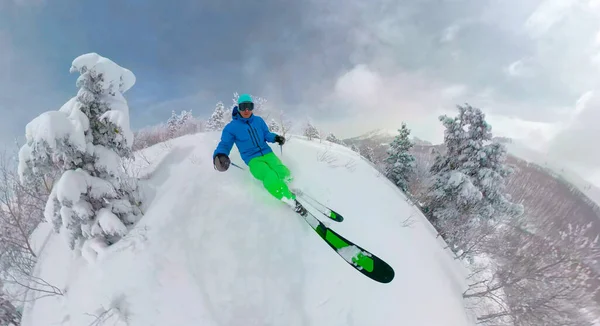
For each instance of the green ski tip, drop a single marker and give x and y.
(336, 217)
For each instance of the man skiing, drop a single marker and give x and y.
(250, 134)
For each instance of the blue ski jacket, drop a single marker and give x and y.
(249, 135)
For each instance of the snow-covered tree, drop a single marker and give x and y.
(173, 124)
(185, 117)
(400, 163)
(9, 316)
(311, 131)
(183, 123)
(274, 126)
(540, 278)
(217, 120)
(85, 141)
(284, 123)
(332, 138)
(468, 179)
(369, 154)
(355, 148)
(189, 124)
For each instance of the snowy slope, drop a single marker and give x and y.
(215, 249)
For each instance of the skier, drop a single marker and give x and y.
(250, 134)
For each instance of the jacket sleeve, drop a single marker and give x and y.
(227, 140)
(269, 136)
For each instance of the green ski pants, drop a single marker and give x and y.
(274, 175)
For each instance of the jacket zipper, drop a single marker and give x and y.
(252, 137)
(251, 131)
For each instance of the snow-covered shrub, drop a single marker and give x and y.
(149, 136)
(85, 141)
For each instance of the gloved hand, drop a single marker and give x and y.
(280, 140)
(222, 162)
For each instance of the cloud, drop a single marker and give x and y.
(519, 69)
(351, 65)
(547, 14)
(450, 33)
(454, 91)
(576, 141)
(367, 98)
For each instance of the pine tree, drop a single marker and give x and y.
(187, 124)
(468, 180)
(311, 132)
(332, 138)
(173, 124)
(274, 126)
(370, 154)
(84, 141)
(355, 148)
(216, 122)
(400, 163)
(185, 117)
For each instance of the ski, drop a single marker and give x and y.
(326, 211)
(360, 259)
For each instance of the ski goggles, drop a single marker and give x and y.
(246, 106)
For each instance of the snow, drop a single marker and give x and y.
(351, 254)
(107, 160)
(119, 115)
(110, 223)
(51, 126)
(216, 249)
(378, 133)
(113, 74)
(71, 185)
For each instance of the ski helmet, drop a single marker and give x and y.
(244, 98)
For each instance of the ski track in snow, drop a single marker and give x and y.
(216, 249)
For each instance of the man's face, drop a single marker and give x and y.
(246, 113)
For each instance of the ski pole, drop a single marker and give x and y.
(237, 166)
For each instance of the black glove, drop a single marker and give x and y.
(221, 162)
(280, 140)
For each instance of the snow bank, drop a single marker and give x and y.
(216, 249)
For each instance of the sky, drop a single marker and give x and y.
(348, 65)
